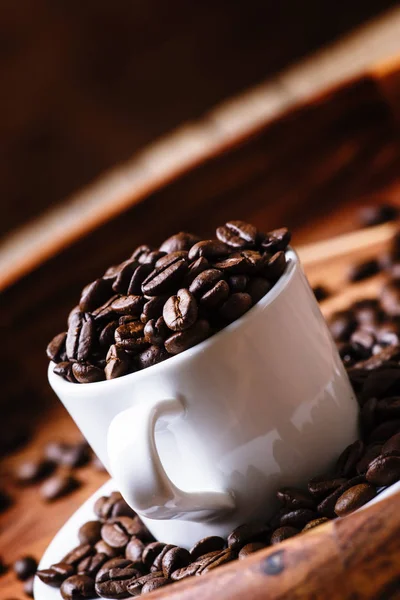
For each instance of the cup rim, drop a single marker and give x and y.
(56, 381)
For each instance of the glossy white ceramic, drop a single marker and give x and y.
(199, 443)
(67, 537)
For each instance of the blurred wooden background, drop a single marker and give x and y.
(86, 84)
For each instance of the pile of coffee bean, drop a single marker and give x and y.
(162, 301)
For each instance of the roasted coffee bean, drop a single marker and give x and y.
(220, 559)
(206, 545)
(326, 508)
(175, 558)
(114, 582)
(64, 369)
(124, 275)
(275, 266)
(392, 445)
(341, 325)
(172, 257)
(87, 373)
(33, 470)
(155, 584)
(367, 416)
(276, 240)
(128, 305)
(257, 288)
(56, 574)
(94, 295)
(377, 214)
(298, 518)
(347, 461)
(370, 453)
(367, 312)
(150, 553)
(390, 297)
(237, 234)
(178, 242)
(215, 296)
(315, 523)
(354, 498)
(58, 486)
(141, 252)
(108, 507)
(240, 263)
(131, 336)
(56, 348)
(164, 280)
(238, 283)
(151, 356)
(102, 548)
(106, 335)
(75, 455)
(116, 532)
(178, 342)
(80, 337)
(249, 549)
(153, 308)
(384, 431)
(212, 250)
(105, 312)
(384, 470)
(134, 549)
(118, 362)
(157, 563)
(54, 451)
(156, 331)
(283, 533)
(138, 276)
(236, 305)
(77, 554)
(380, 383)
(364, 340)
(195, 268)
(294, 498)
(180, 311)
(321, 292)
(363, 270)
(388, 408)
(25, 567)
(92, 564)
(388, 334)
(251, 532)
(28, 586)
(90, 532)
(114, 563)
(135, 588)
(77, 587)
(205, 281)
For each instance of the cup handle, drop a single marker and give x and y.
(138, 471)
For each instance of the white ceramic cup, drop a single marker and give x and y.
(200, 443)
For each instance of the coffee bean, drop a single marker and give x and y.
(87, 373)
(220, 559)
(210, 249)
(114, 582)
(384, 470)
(164, 280)
(33, 470)
(106, 335)
(105, 312)
(77, 554)
(237, 234)
(135, 588)
(327, 507)
(28, 586)
(180, 311)
(195, 268)
(237, 264)
(205, 281)
(102, 548)
(392, 444)
(354, 498)
(172, 257)
(242, 535)
(276, 240)
(239, 283)
(295, 498)
(207, 544)
(175, 558)
(150, 553)
(388, 408)
(131, 336)
(257, 288)
(346, 464)
(153, 308)
(342, 324)
(54, 451)
(368, 416)
(298, 518)
(364, 341)
(128, 305)
(178, 342)
(178, 242)
(64, 369)
(384, 431)
(115, 534)
(56, 348)
(283, 533)
(58, 486)
(92, 564)
(56, 574)
(370, 453)
(80, 337)
(315, 523)
(77, 587)
(124, 274)
(157, 563)
(379, 383)
(134, 549)
(377, 214)
(118, 362)
(275, 266)
(75, 455)
(155, 584)
(215, 296)
(321, 292)
(236, 305)
(25, 567)
(390, 297)
(363, 270)
(151, 356)
(249, 549)
(94, 295)
(90, 532)
(156, 331)
(108, 507)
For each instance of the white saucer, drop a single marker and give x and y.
(67, 537)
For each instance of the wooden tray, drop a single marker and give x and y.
(310, 169)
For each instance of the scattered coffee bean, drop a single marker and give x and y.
(283, 533)
(33, 470)
(377, 214)
(363, 270)
(135, 588)
(56, 349)
(242, 535)
(77, 587)
(342, 324)
(392, 445)
(25, 567)
(326, 508)
(118, 362)
(277, 240)
(347, 462)
(108, 507)
(354, 498)
(90, 533)
(77, 554)
(57, 486)
(384, 470)
(157, 563)
(237, 234)
(134, 549)
(56, 574)
(87, 373)
(315, 523)
(206, 545)
(94, 295)
(183, 340)
(321, 292)
(175, 558)
(178, 242)
(113, 582)
(293, 498)
(249, 549)
(298, 518)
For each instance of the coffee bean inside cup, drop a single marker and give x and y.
(160, 302)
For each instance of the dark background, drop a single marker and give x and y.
(84, 84)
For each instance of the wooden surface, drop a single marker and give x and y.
(86, 84)
(29, 526)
